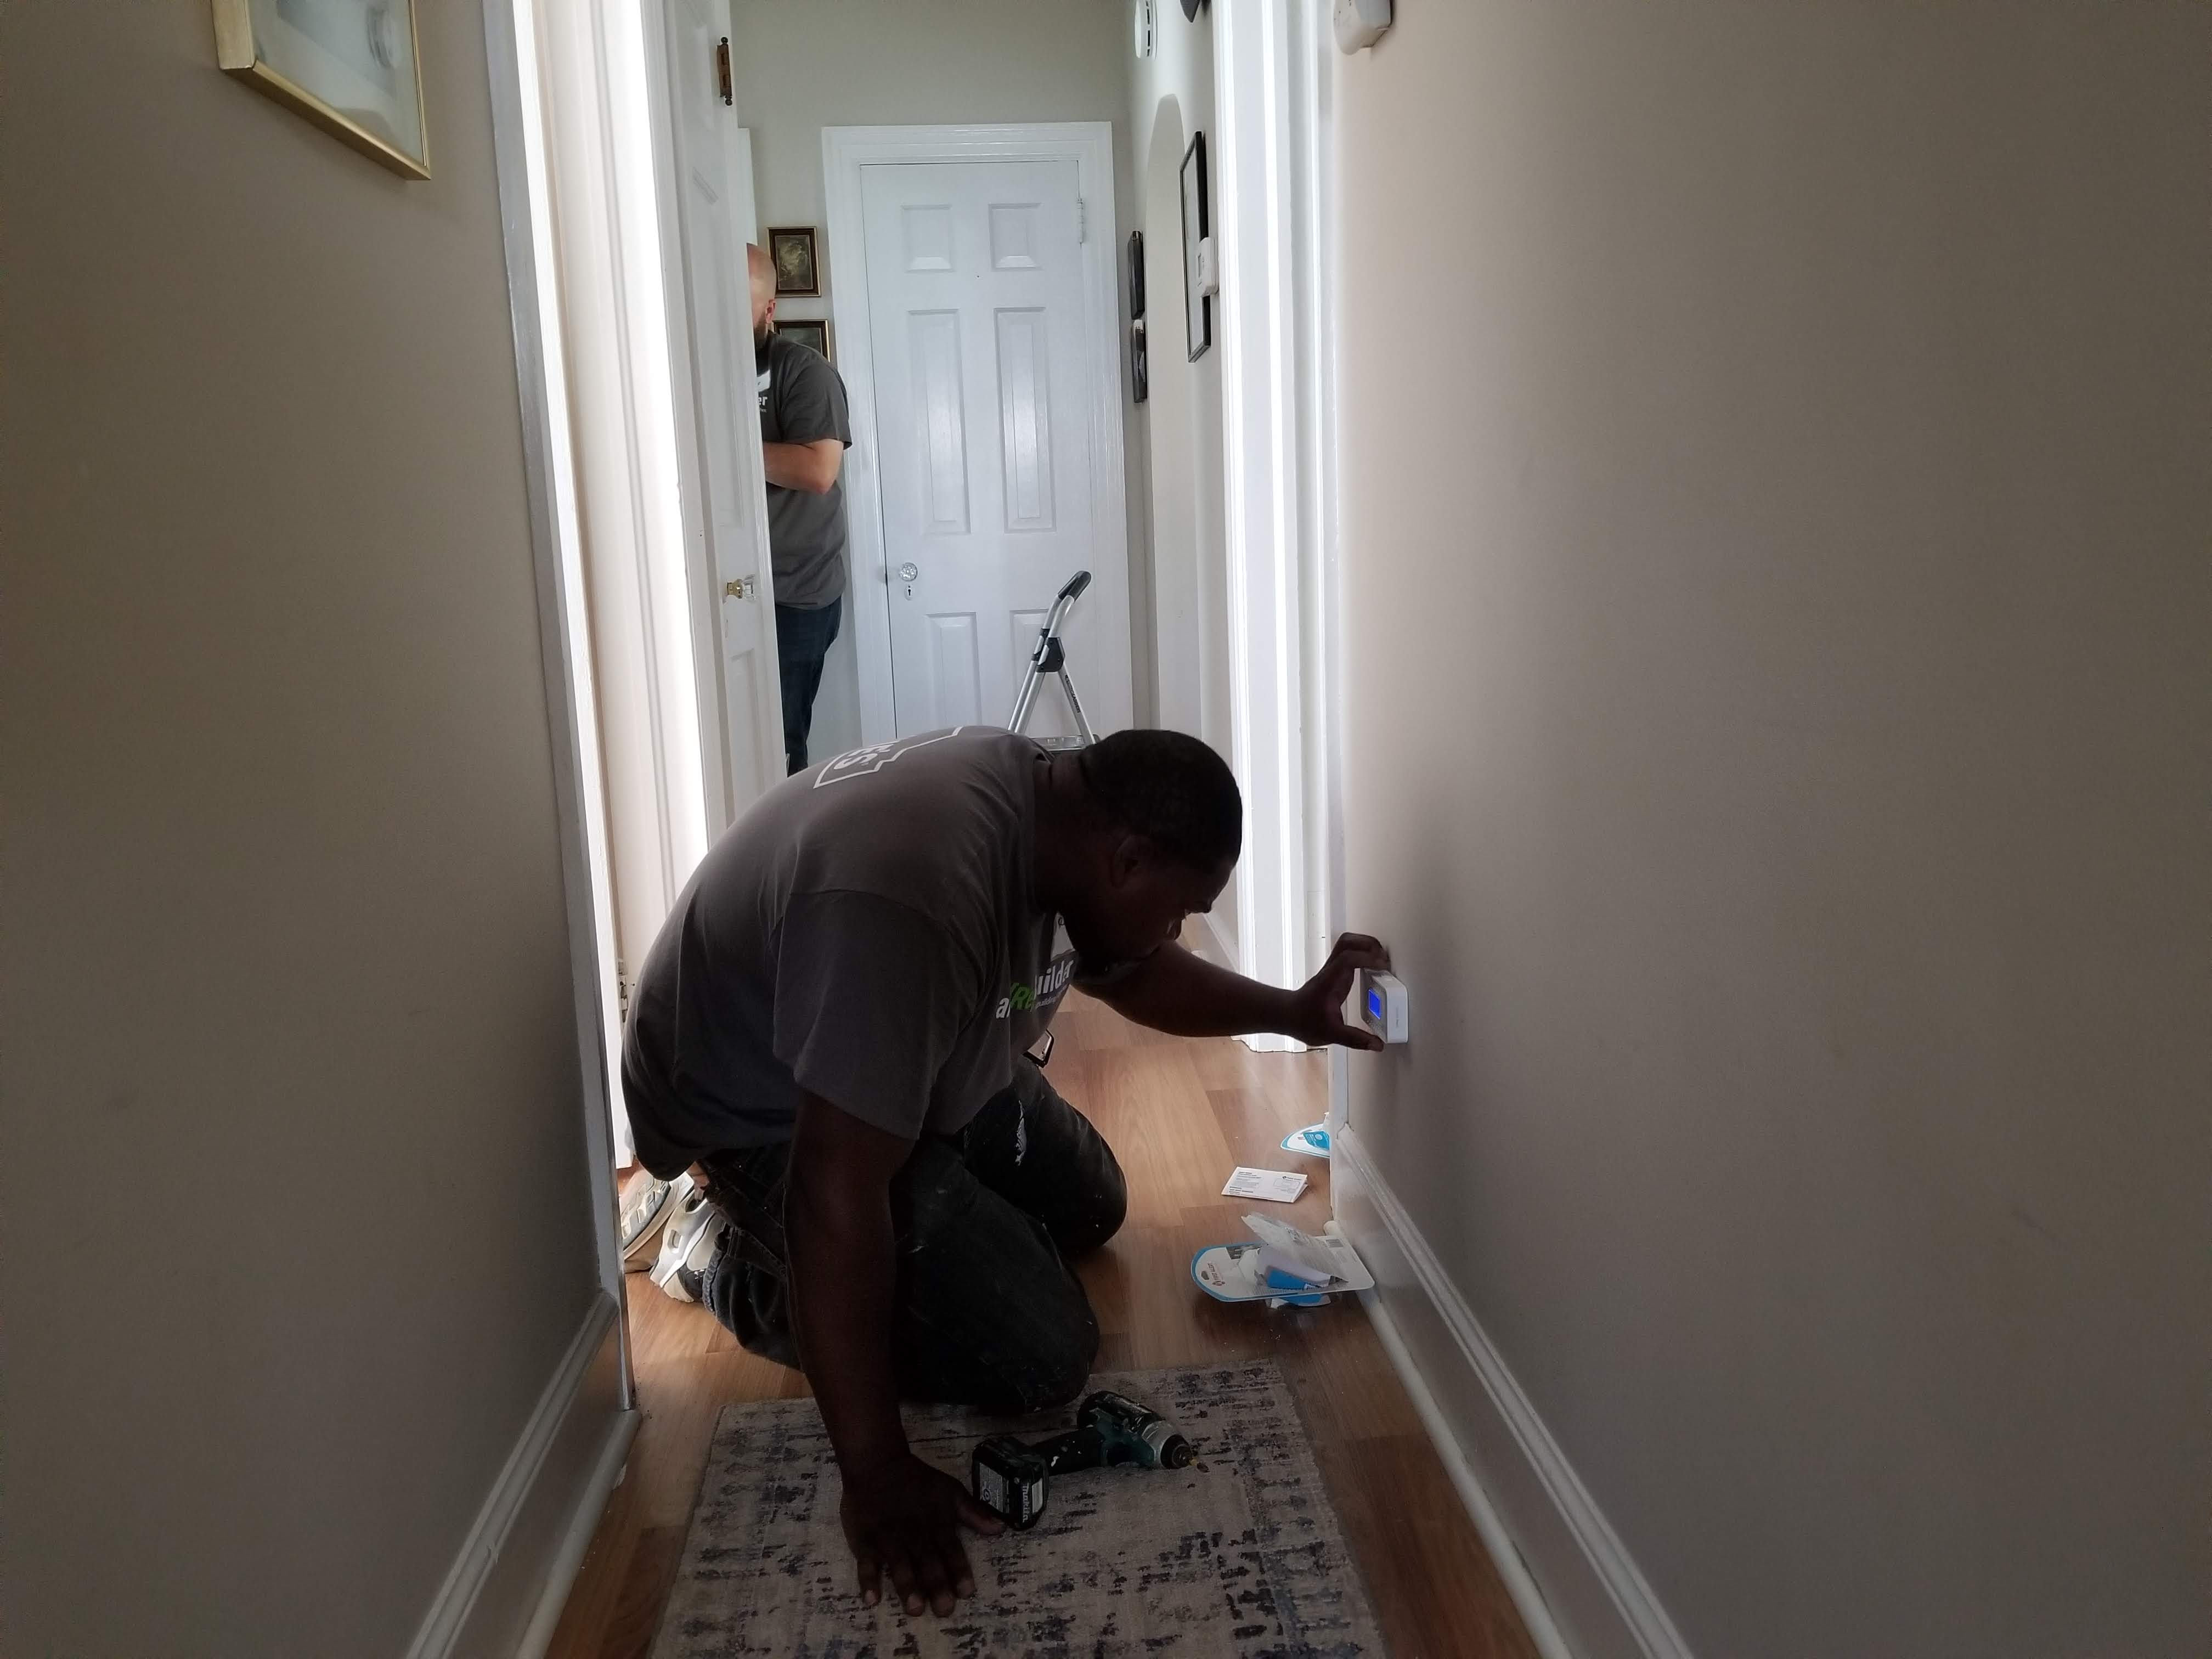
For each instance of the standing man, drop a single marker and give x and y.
(805, 433)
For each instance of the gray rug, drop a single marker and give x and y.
(1240, 1557)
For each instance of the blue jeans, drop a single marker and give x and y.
(803, 638)
(986, 1311)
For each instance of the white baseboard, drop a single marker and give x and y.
(504, 1593)
(1578, 1590)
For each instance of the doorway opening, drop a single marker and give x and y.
(978, 316)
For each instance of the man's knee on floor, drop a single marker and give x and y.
(1103, 1207)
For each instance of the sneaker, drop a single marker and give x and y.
(688, 1245)
(646, 1204)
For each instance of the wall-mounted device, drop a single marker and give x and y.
(1147, 23)
(1382, 1004)
(1360, 23)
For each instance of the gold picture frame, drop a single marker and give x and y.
(812, 332)
(341, 65)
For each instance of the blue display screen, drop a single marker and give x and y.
(1374, 1003)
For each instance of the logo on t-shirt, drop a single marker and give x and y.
(1050, 984)
(861, 762)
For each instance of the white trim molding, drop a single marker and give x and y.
(564, 638)
(505, 1591)
(1253, 229)
(1577, 1588)
(845, 151)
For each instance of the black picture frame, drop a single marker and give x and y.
(1140, 372)
(1136, 274)
(792, 251)
(1197, 226)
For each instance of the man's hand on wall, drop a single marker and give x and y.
(1318, 1005)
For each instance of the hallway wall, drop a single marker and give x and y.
(1775, 481)
(805, 65)
(296, 1199)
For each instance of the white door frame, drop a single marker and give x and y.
(1274, 326)
(534, 265)
(702, 579)
(845, 151)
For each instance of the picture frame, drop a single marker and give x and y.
(1197, 226)
(1140, 372)
(792, 251)
(1136, 274)
(353, 67)
(812, 332)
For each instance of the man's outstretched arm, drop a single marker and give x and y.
(901, 1516)
(1171, 990)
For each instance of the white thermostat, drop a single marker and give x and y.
(1360, 23)
(1382, 1004)
(1144, 28)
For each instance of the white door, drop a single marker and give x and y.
(713, 214)
(983, 369)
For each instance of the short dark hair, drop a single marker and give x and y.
(1172, 789)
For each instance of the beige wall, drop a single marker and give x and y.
(1777, 528)
(805, 65)
(1180, 425)
(295, 1191)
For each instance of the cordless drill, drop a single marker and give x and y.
(1011, 1477)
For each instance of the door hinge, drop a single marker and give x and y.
(722, 69)
(1082, 220)
(745, 588)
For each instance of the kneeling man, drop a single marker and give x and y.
(834, 1027)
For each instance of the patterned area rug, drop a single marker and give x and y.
(1240, 1557)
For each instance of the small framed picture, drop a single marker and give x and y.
(350, 66)
(1136, 274)
(1140, 372)
(1197, 226)
(812, 332)
(791, 250)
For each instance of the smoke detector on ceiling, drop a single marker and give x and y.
(1360, 23)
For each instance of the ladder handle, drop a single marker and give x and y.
(1076, 584)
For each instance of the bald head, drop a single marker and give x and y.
(761, 271)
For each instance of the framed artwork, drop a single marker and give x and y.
(352, 67)
(811, 332)
(1136, 274)
(1140, 373)
(1197, 226)
(791, 251)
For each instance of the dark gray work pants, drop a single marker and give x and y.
(986, 1311)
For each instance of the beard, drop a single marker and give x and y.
(762, 332)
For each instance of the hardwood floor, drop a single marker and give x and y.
(1181, 1114)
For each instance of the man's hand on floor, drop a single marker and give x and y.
(904, 1519)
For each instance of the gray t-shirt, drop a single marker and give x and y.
(802, 401)
(867, 933)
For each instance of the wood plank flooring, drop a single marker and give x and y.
(1180, 1114)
